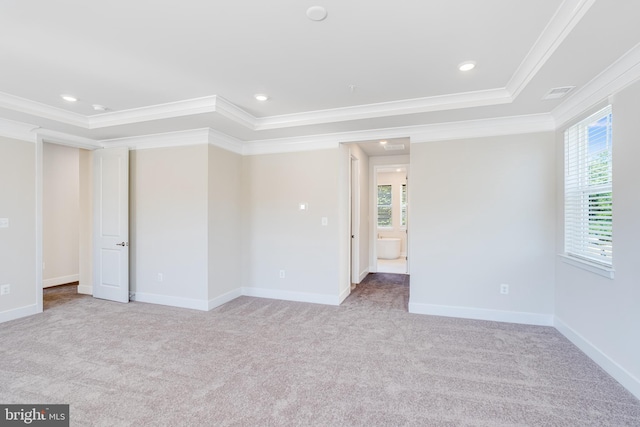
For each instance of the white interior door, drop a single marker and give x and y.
(111, 224)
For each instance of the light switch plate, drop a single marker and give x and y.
(4, 222)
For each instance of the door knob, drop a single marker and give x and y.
(122, 244)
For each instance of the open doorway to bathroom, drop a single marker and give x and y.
(391, 217)
(377, 181)
(378, 226)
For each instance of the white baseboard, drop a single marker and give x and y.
(482, 314)
(224, 298)
(621, 375)
(291, 296)
(85, 289)
(363, 274)
(344, 294)
(17, 313)
(195, 304)
(62, 280)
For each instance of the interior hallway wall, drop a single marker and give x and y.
(60, 214)
(364, 233)
(85, 268)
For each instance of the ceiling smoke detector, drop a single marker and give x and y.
(558, 92)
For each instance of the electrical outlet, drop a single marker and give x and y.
(282, 274)
(504, 289)
(160, 277)
(5, 289)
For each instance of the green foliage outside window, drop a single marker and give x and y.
(384, 206)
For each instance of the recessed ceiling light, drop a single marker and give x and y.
(316, 13)
(467, 65)
(398, 170)
(261, 97)
(69, 98)
(383, 142)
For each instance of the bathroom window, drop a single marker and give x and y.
(403, 205)
(588, 201)
(384, 206)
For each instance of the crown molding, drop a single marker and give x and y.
(235, 113)
(224, 141)
(291, 145)
(168, 110)
(559, 27)
(616, 77)
(45, 111)
(387, 109)
(561, 24)
(160, 140)
(417, 134)
(513, 125)
(17, 130)
(62, 138)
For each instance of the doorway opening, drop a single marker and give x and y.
(66, 219)
(376, 168)
(391, 218)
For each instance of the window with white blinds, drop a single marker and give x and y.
(588, 201)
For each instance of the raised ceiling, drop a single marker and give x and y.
(172, 66)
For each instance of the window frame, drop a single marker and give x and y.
(389, 206)
(587, 198)
(403, 206)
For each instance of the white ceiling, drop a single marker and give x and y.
(166, 66)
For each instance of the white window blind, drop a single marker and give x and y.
(403, 205)
(588, 199)
(384, 206)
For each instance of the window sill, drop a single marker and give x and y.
(601, 270)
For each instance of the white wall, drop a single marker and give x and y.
(224, 217)
(85, 221)
(482, 213)
(60, 214)
(18, 241)
(602, 316)
(397, 230)
(279, 236)
(169, 225)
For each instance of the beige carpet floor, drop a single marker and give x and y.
(260, 362)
